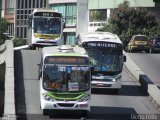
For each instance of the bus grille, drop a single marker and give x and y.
(65, 105)
(46, 42)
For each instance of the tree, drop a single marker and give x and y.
(126, 21)
(19, 42)
(4, 26)
(97, 15)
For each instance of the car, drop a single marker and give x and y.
(139, 43)
(154, 44)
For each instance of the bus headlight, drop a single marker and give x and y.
(118, 77)
(84, 98)
(47, 98)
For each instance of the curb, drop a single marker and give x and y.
(147, 86)
(2, 48)
(9, 100)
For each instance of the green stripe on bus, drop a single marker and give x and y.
(66, 96)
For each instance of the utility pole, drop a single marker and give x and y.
(0, 19)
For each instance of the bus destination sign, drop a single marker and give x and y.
(66, 60)
(47, 14)
(99, 44)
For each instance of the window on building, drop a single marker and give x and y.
(70, 39)
(18, 31)
(45, 3)
(41, 4)
(25, 31)
(9, 7)
(21, 35)
(37, 4)
(69, 12)
(30, 3)
(18, 2)
(26, 3)
(34, 4)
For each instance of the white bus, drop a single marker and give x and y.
(65, 77)
(45, 28)
(106, 56)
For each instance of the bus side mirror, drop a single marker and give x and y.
(124, 58)
(64, 24)
(39, 74)
(40, 71)
(92, 69)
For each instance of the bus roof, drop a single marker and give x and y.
(64, 50)
(100, 36)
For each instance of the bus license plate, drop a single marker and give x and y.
(100, 84)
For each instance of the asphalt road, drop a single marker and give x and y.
(149, 64)
(104, 105)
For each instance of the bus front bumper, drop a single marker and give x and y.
(104, 84)
(65, 105)
(44, 43)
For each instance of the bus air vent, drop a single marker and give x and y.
(65, 48)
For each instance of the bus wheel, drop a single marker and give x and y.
(84, 113)
(52, 113)
(32, 47)
(115, 91)
(45, 112)
(147, 51)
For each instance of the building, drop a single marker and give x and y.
(150, 5)
(17, 12)
(76, 13)
(90, 7)
(22, 12)
(8, 13)
(68, 8)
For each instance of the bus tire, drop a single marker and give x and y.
(32, 47)
(147, 51)
(115, 91)
(52, 113)
(84, 113)
(45, 112)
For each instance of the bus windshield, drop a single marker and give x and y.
(47, 25)
(66, 78)
(105, 60)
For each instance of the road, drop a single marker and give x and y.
(149, 64)
(104, 105)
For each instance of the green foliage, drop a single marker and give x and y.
(4, 26)
(19, 42)
(97, 15)
(126, 21)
